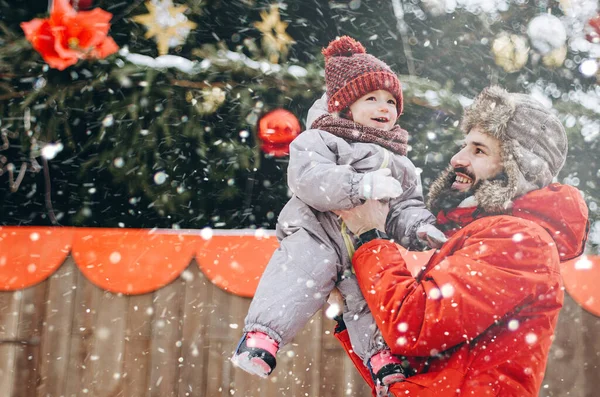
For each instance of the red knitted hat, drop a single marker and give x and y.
(351, 73)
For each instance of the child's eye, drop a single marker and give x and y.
(391, 101)
(371, 98)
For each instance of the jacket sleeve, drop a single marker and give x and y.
(408, 211)
(489, 275)
(315, 177)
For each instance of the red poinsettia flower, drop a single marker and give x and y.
(69, 35)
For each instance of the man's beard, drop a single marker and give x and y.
(443, 197)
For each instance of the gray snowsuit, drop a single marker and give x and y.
(324, 174)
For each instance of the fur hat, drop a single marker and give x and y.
(351, 73)
(533, 142)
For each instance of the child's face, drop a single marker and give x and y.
(376, 109)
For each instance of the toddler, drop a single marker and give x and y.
(353, 152)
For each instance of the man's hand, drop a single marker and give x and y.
(370, 215)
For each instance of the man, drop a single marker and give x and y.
(478, 319)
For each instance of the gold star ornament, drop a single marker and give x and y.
(275, 41)
(167, 23)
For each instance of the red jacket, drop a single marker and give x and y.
(479, 319)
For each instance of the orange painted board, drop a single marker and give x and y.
(138, 261)
(29, 255)
(235, 263)
(131, 261)
(582, 278)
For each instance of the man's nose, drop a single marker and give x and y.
(459, 160)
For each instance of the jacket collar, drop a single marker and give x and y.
(453, 220)
(559, 209)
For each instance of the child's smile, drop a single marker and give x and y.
(376, 109)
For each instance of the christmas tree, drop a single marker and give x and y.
(151, 117)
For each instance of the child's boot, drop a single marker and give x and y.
(255, 354)
(385, 370)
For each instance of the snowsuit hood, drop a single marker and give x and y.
(318, 109)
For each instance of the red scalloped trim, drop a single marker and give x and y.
(134, 261)
(29, 255)
(236, 262)
(131, 261)
(137, 261)
(582, 277)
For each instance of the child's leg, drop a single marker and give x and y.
(295, 285)
(299, 277)
(366, 338)
(362, 330)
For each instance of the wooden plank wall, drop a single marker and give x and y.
(66, 337)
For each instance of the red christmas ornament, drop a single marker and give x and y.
(593, 30)
(276, 130)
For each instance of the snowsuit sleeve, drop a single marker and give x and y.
(408, 211)
(315, 176)
(495, 270)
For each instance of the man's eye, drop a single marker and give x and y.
(479, 151)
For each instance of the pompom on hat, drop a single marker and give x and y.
(351, 73)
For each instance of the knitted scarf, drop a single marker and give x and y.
(394, 139)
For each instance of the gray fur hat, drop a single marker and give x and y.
(533, 142)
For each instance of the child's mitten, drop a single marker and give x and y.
(431, 235)
(379, 185)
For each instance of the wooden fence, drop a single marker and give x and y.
(67, 337)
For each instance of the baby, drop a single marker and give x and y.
(353, 152)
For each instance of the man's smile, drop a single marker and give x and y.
(462, 182)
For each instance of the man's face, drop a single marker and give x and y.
(479, 159)
(376, 109)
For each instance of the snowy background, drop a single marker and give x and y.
(164, 133)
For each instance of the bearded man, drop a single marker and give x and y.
(478, 319)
